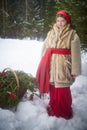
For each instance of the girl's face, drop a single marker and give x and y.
(61, 22)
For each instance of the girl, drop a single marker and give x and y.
(59, 65)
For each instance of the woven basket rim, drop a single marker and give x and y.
(14, 73)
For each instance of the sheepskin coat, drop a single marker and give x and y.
(63, 67)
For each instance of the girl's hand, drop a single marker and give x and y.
(74, 76)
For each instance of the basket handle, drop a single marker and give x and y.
(16, 77)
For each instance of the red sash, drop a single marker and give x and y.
(42, 75)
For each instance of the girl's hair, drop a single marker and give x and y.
(60, 15)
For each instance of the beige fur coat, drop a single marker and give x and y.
(62, 67)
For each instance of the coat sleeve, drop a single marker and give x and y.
(76, 56)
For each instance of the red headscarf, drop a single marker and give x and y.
(65, 14)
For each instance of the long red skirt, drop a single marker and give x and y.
(60, 102)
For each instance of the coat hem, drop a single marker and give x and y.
(61, 85)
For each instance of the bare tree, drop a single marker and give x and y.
(26, 10)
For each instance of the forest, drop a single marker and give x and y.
(34, 18)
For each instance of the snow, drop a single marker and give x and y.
(31, 115)
(20, 54)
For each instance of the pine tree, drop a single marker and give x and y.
(34, 18)
(32, 23)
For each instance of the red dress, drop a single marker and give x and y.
(60, 102)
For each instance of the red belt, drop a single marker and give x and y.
(60, 51)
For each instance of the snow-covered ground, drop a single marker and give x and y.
(20, 54)
(31, 115)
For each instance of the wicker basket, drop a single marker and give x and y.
(14, 73)
(9, 96)
(13, 86)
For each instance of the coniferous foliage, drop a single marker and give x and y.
(25, 18)
(32, 24)
(20, 18)
(34, 18)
